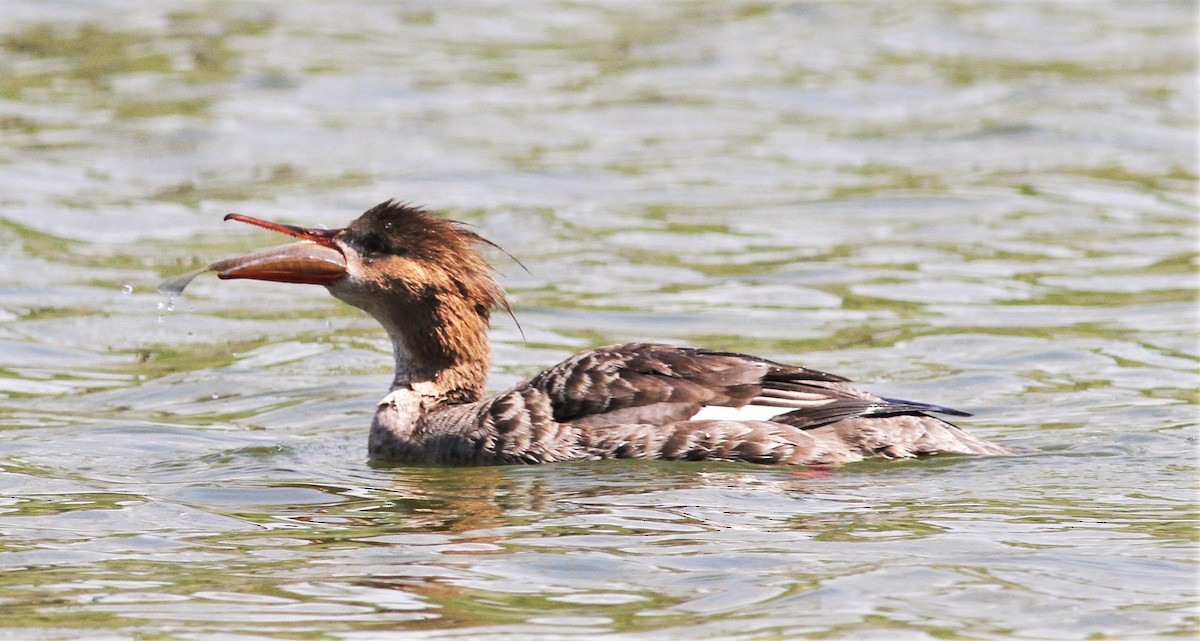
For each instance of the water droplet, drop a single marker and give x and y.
(161, 306)
(171, 305)
(127, 289)
(216, 396)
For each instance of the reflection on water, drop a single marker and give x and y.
(989, 207)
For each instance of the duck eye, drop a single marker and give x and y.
(372, 245)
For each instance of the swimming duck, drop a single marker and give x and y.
(424, 279)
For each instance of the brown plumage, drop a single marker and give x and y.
(423, 278)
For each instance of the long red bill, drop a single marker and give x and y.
(319, 236)
(316, 260)
(303, 262)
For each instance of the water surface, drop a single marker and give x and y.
(987, 206)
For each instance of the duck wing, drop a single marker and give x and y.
(653, 384)
(831, 402)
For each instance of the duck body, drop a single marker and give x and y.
(641, 400)
(423, 279)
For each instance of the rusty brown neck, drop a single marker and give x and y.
(441, 350)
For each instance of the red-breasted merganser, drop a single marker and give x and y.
(423, 278)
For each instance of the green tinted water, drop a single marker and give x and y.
(991, 207)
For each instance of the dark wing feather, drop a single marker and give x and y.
(819, 403)
(641, 382)
(901, 406)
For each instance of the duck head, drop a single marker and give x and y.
(422, 277)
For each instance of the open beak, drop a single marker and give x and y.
(314, 260)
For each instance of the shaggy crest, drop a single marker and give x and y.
(399, 229)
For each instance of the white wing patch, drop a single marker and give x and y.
(744, 413)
